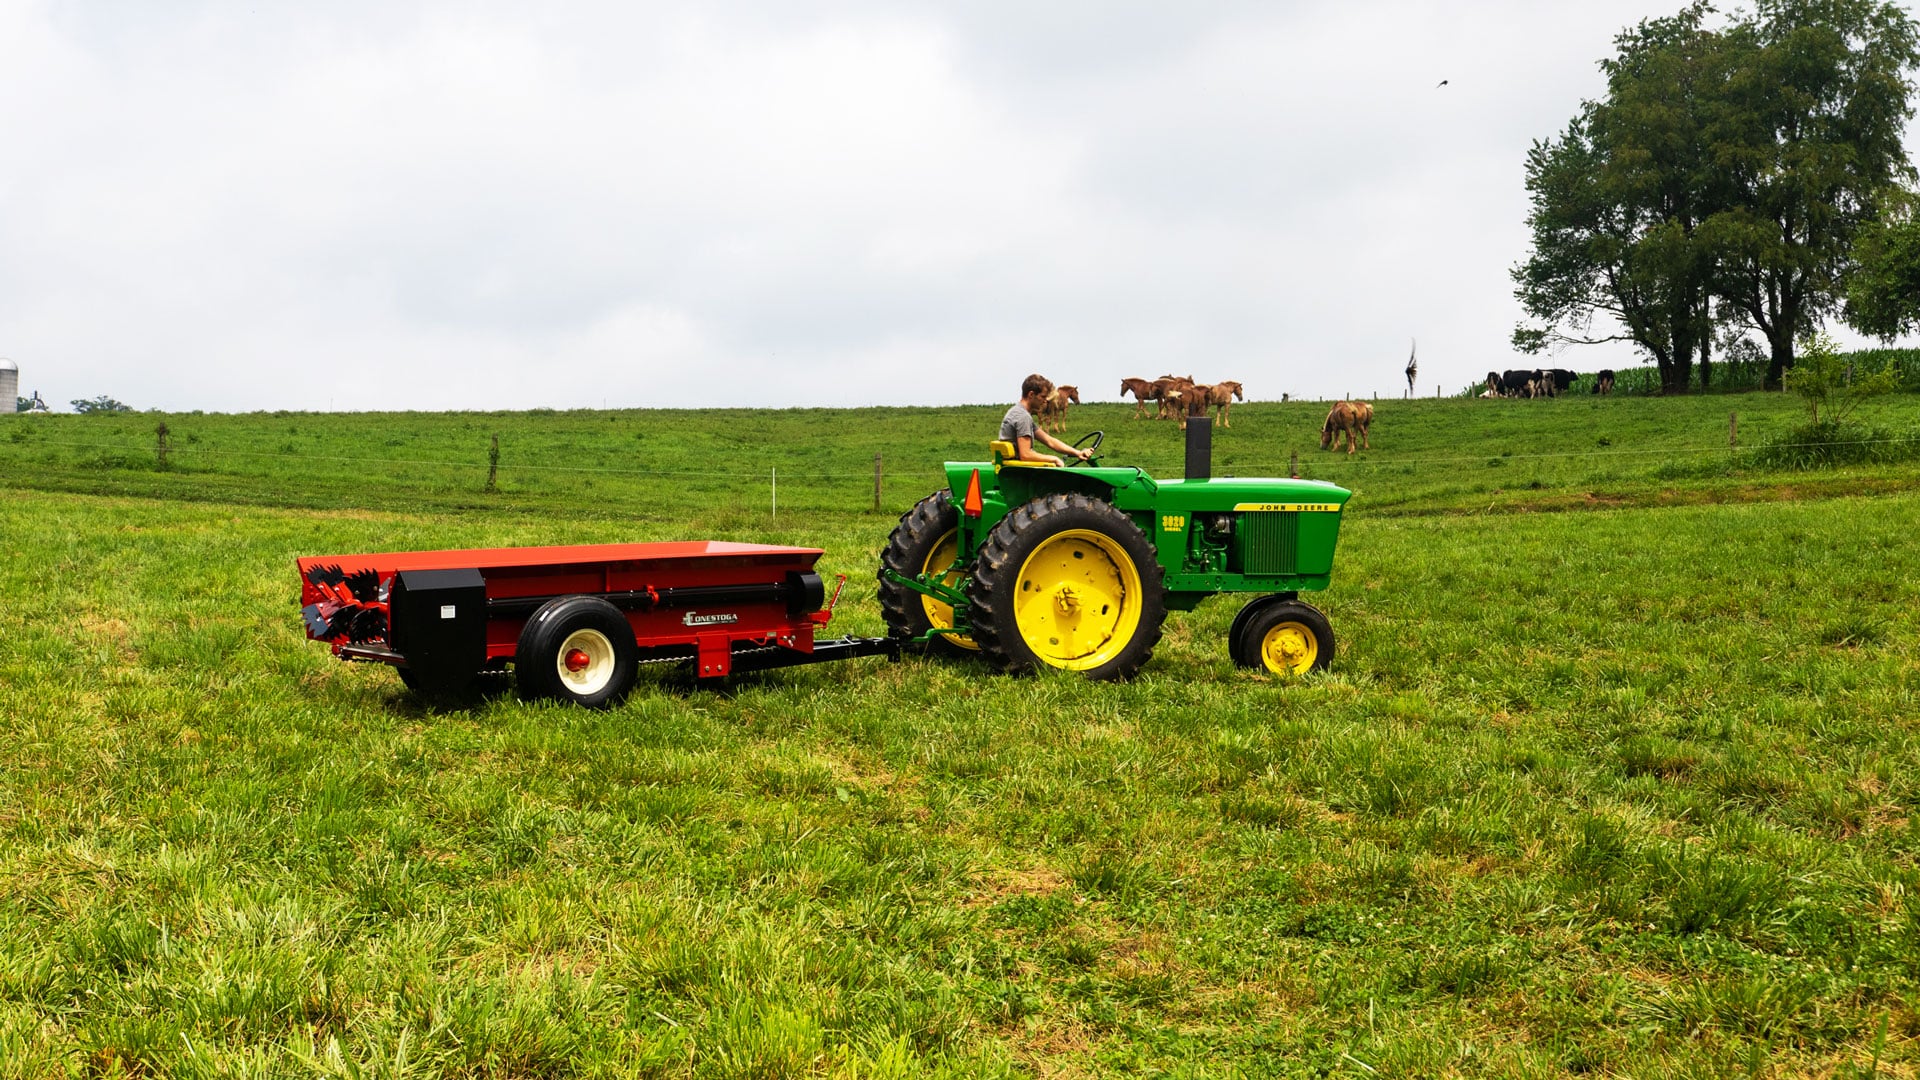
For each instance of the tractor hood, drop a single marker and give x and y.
(1251, 493)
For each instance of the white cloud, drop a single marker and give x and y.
(446, 205)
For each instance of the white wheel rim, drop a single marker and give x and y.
(593, 676)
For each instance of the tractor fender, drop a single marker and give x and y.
(1252, 608)
(1100, 482)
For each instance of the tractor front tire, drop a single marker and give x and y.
(1067, 581)
(577, 649)
(926, 541)
(1287, 637)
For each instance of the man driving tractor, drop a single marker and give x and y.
(1018, 426)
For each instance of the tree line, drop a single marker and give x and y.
(1742, 173)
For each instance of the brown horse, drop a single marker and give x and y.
(1182, 391)
(1225, 393)
(1349, 418)
(1054, 408)
(1142, 391)
(1196, 399)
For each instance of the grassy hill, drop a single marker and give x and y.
(1622, 790)
(1429, 455)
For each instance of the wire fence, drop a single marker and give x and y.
(805, 472)
(315, 478)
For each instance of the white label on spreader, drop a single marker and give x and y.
(446, 611)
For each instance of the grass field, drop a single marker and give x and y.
(1614, 773)
(1434, 455)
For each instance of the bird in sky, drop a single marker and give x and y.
(1441, 83)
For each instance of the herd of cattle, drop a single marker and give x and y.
(1541, 382)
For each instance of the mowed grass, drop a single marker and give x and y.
(1615, 791)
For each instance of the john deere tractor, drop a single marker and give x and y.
(1075, 567)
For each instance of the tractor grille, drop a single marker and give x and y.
(1269, 541)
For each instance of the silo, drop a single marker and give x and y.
(9, 385)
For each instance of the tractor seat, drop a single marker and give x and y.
(1003, 457)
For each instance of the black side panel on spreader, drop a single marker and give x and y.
(440, 623)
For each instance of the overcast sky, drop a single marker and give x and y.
(467, 205)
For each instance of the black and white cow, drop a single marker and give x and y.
(1519, 383)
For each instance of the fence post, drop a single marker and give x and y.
(493, 465)
(1294, 469)
(1733, 429)
(876, 483)
(160, 434)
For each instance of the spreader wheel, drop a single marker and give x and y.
(1287, 637)
(1069, 582)
(578, 649)
(926, 541)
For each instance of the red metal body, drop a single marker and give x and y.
(702, 597)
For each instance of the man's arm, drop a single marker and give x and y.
(1023, 449)
(1065, 448)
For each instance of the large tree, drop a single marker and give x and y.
(1883, 292)
(1619, 198)
(1813, 143)
(1734, 162)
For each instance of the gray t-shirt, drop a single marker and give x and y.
(1016, 423)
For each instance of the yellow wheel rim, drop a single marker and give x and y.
(939, 615)
(1078, 605)
(1290, 648)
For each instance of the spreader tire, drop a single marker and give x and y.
(577, 649)
(925, 541)
(1070, 582)
(1288, 637)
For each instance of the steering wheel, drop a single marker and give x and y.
(1092, 451)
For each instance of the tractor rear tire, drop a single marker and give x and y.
(1287, 637)
(577, 649)
(1067, 581)
(925, 541)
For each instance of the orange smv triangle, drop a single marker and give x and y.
(973, 505)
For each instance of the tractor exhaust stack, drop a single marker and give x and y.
(1199, 448)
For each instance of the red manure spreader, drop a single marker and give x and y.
(1021, 566)
(576, 621)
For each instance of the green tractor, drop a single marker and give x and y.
(1029, 565)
